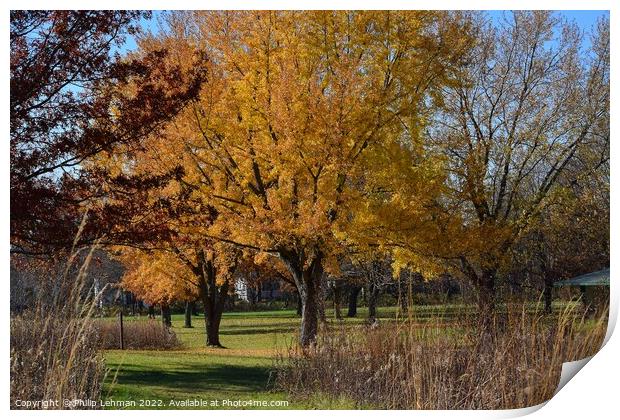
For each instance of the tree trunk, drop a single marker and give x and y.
(486, 300)
(213, 316)
(485, 285)
(213, 298)
(373, 294)
(587, 300)
(353, 294)
(299, 304)
(212, 326)
(166, 318)
(403, 292)
(189, 307)
(321, 301)
(548, 294)
(309, 316)
(151, 312)
(337, 292)
(308, 277)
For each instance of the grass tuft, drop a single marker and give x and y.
(52, 353)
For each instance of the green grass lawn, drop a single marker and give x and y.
(241, 371)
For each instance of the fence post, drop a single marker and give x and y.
(120, 318)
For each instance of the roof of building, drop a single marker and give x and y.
(596, 278)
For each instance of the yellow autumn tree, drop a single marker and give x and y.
(162, 235)
(182, 273)
(278, 147)
(157, 278)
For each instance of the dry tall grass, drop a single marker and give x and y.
(409, 365)
(137, 335)
(53, 356)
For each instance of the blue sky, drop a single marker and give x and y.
(586, 19)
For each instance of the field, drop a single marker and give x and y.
(241, 371)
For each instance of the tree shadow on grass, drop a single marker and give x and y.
(276, 314)
(194, 378)
(251, 331)
(261, 325)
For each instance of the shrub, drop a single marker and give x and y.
(137, 335)
(411, 365)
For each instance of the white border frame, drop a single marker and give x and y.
(592, 394)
